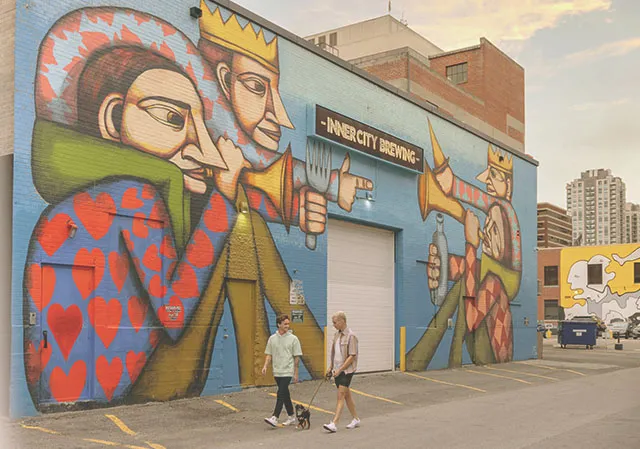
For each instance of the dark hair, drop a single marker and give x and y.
(112, 71)
(281, 318)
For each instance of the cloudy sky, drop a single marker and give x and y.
(581, 60)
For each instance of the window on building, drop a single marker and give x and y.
(457, 73)
(322, 40)
(636, 273)
(552, 311)
(551, 276)
(333, 39)
(594, 274)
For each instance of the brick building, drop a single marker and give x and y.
(480, 85)
(182, 175)
(554, 226)
(549, 284)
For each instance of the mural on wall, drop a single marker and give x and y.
(486, 278)
(600, 281)
(161, 163)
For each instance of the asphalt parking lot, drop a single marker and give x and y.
(236, 419)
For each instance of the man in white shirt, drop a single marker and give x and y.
(283, 349)
(344, 362)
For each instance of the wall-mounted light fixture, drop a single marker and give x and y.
(367, 196)
(72, 227)
(195, 12)
(243, 207)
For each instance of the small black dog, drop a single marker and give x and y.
(304, 417)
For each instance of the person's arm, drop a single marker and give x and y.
(344, 366)
(297, 353)
(267, 358)
(296, 362)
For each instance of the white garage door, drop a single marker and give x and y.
(361, 283)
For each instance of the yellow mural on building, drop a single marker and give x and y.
(600, 280)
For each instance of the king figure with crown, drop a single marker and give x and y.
(483, 286)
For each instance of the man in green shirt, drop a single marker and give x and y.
(283, 349)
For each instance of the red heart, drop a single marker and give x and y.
(148, 192)
(200, 251)
(127, 240)
(172, 315)
(96, 216)
(109, 374)
(139, 227)
(52, 234)
(152, 259)
(215, 218)
(65, 326)
(130, 199)
(36, 361)
(68, 388)
(137, 310)
(139, 270)
(119, 268)
(88, 270)
(156, 289)
(41, 284)
(167, 249)
(186, 285)
(105, 318)
(157, 216)
(135, 363)
(154, 337)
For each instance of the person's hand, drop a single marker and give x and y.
(295, 378)
(433, 267)
(445, 179)
(336, 373)
(349, 184)
(329, 373)
(313, 211)
(227, 180)
(264, 370)
(472, 228)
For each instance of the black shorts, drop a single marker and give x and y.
(343, 379)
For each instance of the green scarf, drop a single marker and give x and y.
(65, 161)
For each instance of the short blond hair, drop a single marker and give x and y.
(340, 314)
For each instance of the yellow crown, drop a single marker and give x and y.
(232, 36)
(502, 161)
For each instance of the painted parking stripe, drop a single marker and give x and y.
(226, 404)
(40, 429)
(524, 373)
(446, 383)
(313, 407)
(467, 370)
(155, 446)
(375, 397)
(121, 425)
(553, 369)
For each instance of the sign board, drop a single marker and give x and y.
(296, 293)
(297, 316)
(366, 139)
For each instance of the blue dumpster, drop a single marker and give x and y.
(577, 333)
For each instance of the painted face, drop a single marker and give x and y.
(493, 242)
(496, 181)
(283, 327)
(256, 102)
(162, 114)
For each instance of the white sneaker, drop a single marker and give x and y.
(353, 424)
(290, 420)
(331, 427)
(273, 421)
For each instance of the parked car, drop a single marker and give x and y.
(634, 330)
(619, 327)
(600, 326)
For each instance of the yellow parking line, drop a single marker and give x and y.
(446, 383)
(155, 446)
(553, 369)
(226, 404)
(103, 442)
(521, 372)
(122, 426)
(375, 397)
(306, 405)
(41, 429)
(498, 375)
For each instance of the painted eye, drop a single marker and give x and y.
(166, 116)
(255, 85)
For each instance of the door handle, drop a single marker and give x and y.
(45, 334)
